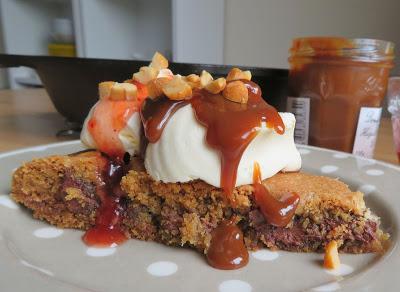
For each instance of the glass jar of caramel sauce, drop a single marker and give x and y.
(338, 76)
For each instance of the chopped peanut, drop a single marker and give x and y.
(193, 80)
(145, 74)
(216, 86)
(117, 92)
(331, 258)
(159, 61)
(205, 78)
(236, 91)
(122, 91)
(154, 87)
(176, 89)
(105, 88)
(131, 91)
(165, 73)
(236, 74)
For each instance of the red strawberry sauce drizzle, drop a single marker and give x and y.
(109, 118)
(107, 229)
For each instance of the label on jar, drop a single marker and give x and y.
(367, 131)
(300, 107)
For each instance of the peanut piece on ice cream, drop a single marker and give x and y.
(205, 78)
(117, 91)
(145, 74)
(105, 89)
(236, 91)
(236, 74)
(176, 89)
(154, 87)
(159, 61)
(193, 80)
(216, 86)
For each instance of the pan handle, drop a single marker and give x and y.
(7, 61)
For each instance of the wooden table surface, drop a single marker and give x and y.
(28, 118)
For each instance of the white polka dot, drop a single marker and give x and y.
(328, 287)
(375, 172)
(234, 286)
(303, 151)
(265, 255)
(341, 155)
(343, 270)
(48, 232)
(100, 252)
(329, 168)
(367, 189)
(162, 269)
(44, 271)
(7, 202)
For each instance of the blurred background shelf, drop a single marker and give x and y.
(104, 29)
(250, 33)
(120, 29)
(26, 29)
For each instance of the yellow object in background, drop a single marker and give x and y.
(62, 50)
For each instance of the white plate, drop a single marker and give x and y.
(37, 257)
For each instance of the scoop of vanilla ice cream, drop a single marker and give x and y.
(129, 136)
(182, 154)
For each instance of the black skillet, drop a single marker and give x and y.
(72, 82)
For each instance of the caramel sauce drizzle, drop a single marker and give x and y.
(277, 212)
(155, 114)
(230, 126)
(227, 250)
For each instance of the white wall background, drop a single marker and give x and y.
(124, 29)
(198, 31)
(259, 32)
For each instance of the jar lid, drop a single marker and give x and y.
(366, 50)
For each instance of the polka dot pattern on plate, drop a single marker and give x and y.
(6, 201)
(265, 255)
(340, 155)
(162, 269)
(367, 189)
(329, 168)
(48, 232)
(343, 270)
(328, 287)
(234, 286)
(303, 151)
(375, 172)
(100, 252)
